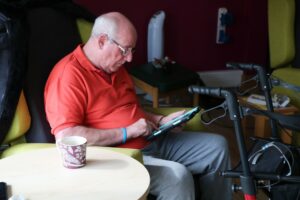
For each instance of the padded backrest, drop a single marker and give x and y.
(281, 19)
(53, 34)
(84, 28)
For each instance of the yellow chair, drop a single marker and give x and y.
(22, 119)
(282, 48)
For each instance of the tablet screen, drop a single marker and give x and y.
(175, 122)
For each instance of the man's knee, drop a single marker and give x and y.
(174, 176)
(178, 174)
(180, 182)
(220, 144)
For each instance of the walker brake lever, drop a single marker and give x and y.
(204, 113)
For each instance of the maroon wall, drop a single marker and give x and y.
(190, 29)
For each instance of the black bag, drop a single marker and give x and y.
(269, 157)
(274, 157)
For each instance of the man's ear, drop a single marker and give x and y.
(101, 40)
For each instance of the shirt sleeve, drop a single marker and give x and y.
(65, 99)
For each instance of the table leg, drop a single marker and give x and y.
(286, 136)
(261, 127)
(155, 98)
(196, 99)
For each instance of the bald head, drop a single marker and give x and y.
(113, 24)
(112, 42)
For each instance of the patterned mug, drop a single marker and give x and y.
(73, 151)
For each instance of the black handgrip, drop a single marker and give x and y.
(230, 97)
(250, 66)
(205, 90)
(244, 66)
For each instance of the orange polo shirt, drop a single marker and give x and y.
(78, 93)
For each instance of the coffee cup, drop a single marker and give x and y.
(73, 151)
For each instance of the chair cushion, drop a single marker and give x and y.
(289, 75)
(134, 153)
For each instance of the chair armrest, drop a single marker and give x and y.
(19, 148)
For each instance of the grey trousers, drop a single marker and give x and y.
(173, 159)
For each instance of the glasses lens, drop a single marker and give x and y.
(128, 50)
(124, 51)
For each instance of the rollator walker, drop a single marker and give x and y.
(270, 164)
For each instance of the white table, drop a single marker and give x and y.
(40, 175)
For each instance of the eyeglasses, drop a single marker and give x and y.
(124, 50)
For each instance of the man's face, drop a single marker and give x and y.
(117, 53)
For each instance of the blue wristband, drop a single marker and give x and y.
(124, 131)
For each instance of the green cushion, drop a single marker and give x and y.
(289, 75)
(16, 149)
(134, 153)
(292, 76)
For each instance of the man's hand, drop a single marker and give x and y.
(172, 116)
(142, 127)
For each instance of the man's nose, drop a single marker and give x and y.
(129, 57)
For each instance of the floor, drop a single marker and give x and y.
(222, 126)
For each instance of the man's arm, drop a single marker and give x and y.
(108, 137)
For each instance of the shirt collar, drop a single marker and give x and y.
(86, 63)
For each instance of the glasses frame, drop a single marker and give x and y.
(124, 50)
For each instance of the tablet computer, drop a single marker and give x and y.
(175, 122)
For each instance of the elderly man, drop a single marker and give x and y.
(89, 93)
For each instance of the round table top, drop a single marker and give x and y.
(39, 174)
